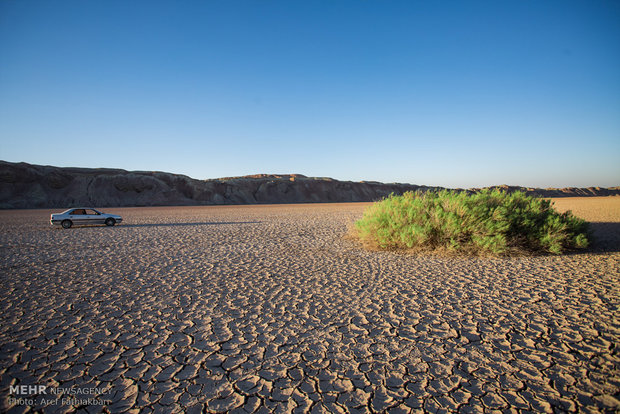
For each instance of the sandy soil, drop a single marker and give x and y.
(269, 308)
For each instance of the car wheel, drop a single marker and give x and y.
(110, 222)
(66, 224)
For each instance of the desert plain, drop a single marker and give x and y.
(271, 308)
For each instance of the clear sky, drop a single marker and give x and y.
(451, 93)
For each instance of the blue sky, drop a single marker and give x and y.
(451, 93)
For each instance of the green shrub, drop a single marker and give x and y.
(488, 221)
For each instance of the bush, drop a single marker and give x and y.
(488, 221)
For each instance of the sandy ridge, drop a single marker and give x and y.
(35, 186)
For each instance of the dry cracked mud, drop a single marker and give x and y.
(271, 309)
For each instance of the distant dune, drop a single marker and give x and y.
(35, 186)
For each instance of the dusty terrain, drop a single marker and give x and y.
(269, 308)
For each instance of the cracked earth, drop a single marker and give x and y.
(271, 309)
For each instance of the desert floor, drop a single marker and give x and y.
(271, 308)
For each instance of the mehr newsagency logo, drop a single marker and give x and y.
(43, 395)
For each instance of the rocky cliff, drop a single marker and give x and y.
(34, 186)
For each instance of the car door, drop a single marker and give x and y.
(93, 217)
(78, 216)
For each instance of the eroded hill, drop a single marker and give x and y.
(35, 186)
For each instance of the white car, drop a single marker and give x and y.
(83, 215)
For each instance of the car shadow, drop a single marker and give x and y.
(206, 223)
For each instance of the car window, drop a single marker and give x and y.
(78, 212)
(92, 213)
